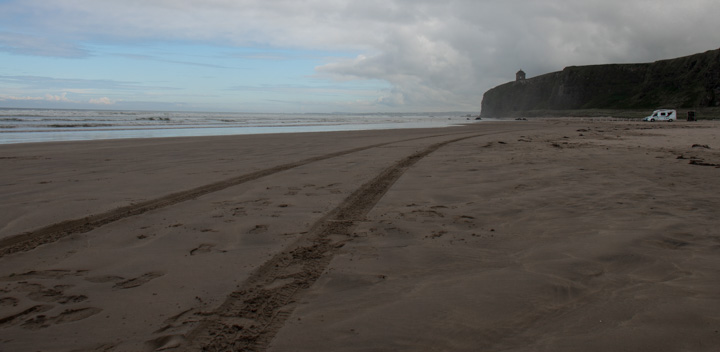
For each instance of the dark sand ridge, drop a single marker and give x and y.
(477, 245)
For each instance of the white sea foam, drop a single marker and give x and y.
(36, 125)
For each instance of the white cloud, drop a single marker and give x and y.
(61, 97)
(101, 101)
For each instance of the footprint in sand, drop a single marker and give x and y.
(203, 248)
(66, 316)
(40, 293)
(670, 243)
(239, 211)
(259, 229)
(41, 274)
(15, 318)
(138, 281)
(55, 294)
(8, 302)
(104, 279)
(428, 213)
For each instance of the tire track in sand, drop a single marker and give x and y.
(51, 233)
(251, 316)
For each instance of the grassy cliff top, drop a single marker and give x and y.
(685, 83)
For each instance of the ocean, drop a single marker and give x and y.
(45, 125)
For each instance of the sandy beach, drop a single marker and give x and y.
(540, 235)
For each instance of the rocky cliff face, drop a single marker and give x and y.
(686, 82)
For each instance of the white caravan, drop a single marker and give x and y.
(662, 115)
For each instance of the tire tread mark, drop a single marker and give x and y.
(54, 232)
(251, 316)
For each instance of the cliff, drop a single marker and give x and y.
(686, 82)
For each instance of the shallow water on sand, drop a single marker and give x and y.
(39, 125)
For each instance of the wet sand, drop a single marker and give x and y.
(547, 235)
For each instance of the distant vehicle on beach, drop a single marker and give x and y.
(662, 115)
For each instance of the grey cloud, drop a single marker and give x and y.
(436, 55)
(468, 47)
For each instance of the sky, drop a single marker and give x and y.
(286, 56)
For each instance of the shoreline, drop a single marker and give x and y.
(53, 125)
(176, 132)
(541, 234)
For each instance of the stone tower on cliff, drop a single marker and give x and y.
(520, 75)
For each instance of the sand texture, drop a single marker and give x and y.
(540, 235)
